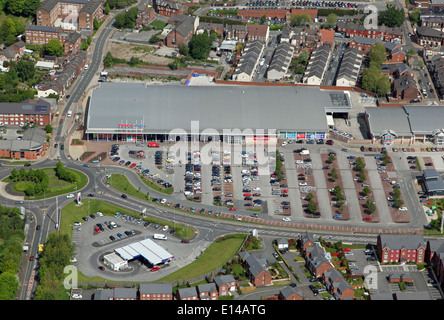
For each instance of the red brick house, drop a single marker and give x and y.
(168, 8)
(363, 44)
(313, 13)
(316, 262)
(401, 248)
(337, 286)
(14, 52)
(225, 284)
(435, 257)
(404, 88)
(145, 14)
(384, 33)
(155, 291)
(256, 269)
(189, 293)
(207, 291)
(258, 32)
(93, 9)
(290, 293)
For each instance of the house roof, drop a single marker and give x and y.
(156, 288)
(398, 242)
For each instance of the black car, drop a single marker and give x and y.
(124, 196)
(27, 164)
(62, 147)
(85, 218)
(127, 163)
(91, 195)
(92, 216)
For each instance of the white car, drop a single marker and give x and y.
(403, 209)
(76, 296)
(165, 228)
(286, 219)
(299, 161)
(302, 183)
(100, 214)
(284, 143)
(69, 196)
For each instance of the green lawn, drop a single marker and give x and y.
(214, 257)
(56, 186)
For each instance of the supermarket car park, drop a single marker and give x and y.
(222, 185)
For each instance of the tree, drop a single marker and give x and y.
(200, 45)
(120, 20)
(48, 128)
(25, 69)
(30, 8)
(331, 158)
(396, 194)
(362, 176)
(392, 17)
(377, 54)
(15, 7)
(300, 19)
(183, 49)
(331, 20)
(8, 31)
(371, 206)
(107, 9)
(312, 207)
(370, 78)
(366, 191)
(108, 61)
(54, 48)
(334, 174)
(154, 39)
(360, 164)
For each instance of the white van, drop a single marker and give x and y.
(69, 113)
(304, 152)
(159, 236)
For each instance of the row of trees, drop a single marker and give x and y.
(64, 174)
(372, 79)
(127, 19)
(57, 253)
(11, 250)
(10, 28)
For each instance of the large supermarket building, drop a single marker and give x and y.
(141, 112)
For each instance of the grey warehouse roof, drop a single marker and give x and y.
(160, 109)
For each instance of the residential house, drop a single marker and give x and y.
(326, 36)
(316, 261)
(350, 68)
(428, 36)
(431, 18)
(189, 293)
(435, 254)
(258, 32)
(401, 248)
(383, 33)
(282, 244)
(395, 53)
(307, 241)
(225, 284)
(256, 269)
(317, 65)
(280, 63)
(249, 61)
(405, 88)
(290, 293)
(40, 35)
(207, 291)
(168, 8)
(236, 32)
(116, 294)
(336, 285)
(363, 44)
(397, 278)
(208, 26)
(14, 52)
(156, 291)
(145, 14)
(313, 13)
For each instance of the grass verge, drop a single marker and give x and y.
(215, 256)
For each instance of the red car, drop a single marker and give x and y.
(346, 249)
(232, 209)
(329, 142)
(31, 258)
(367, 219)
(97, 229)
(133, 165)
(155, 268)
(247, 194)
(185, 241)
(256, 194)
(285, 191)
